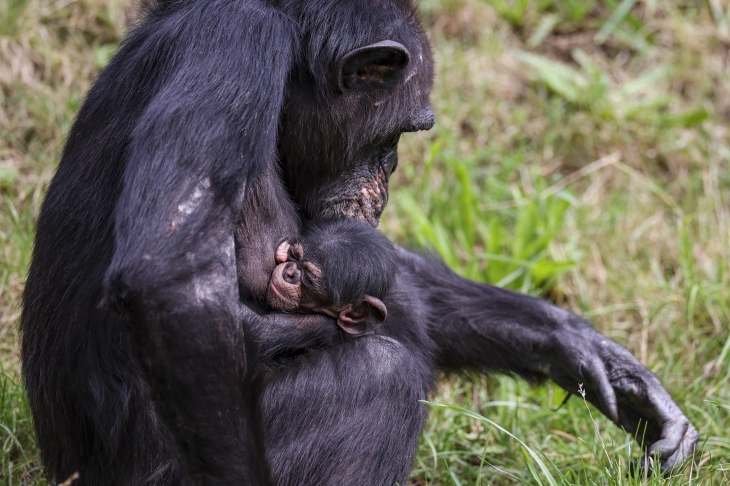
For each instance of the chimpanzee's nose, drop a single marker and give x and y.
(292, 274)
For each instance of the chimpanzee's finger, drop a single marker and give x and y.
(678, 438)
(686, 449)
(281, 255)
(672, 436)
(681, 455)
(659, 407)
(595, 372)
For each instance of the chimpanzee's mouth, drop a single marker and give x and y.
(277, 299)
(366, 193)
(367, 204)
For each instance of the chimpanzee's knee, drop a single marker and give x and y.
(347, 415)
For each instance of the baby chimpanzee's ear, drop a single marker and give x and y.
(362, 317)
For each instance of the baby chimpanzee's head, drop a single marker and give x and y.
(342, 268)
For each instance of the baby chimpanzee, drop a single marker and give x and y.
(342, 268)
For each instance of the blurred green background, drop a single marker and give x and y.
(581, 153)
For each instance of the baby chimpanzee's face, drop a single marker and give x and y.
(298, 283)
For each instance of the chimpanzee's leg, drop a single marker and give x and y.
(346, 415)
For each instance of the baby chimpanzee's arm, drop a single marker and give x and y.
(279, 334)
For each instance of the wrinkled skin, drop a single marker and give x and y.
(632, 397)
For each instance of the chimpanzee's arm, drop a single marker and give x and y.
(484, 327)
(278, 334)
(203, 152)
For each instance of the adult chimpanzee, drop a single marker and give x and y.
(214, 129)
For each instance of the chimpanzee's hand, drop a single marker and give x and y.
(278, 333)
(625, 391)
(486, 327)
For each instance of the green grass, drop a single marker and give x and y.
(581, 153)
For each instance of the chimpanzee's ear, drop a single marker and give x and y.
(363, 317)
(371, 65)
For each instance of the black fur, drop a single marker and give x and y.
(355, 259)
(215, 129)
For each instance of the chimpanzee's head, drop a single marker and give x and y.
(363, 78)
(342, 268)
